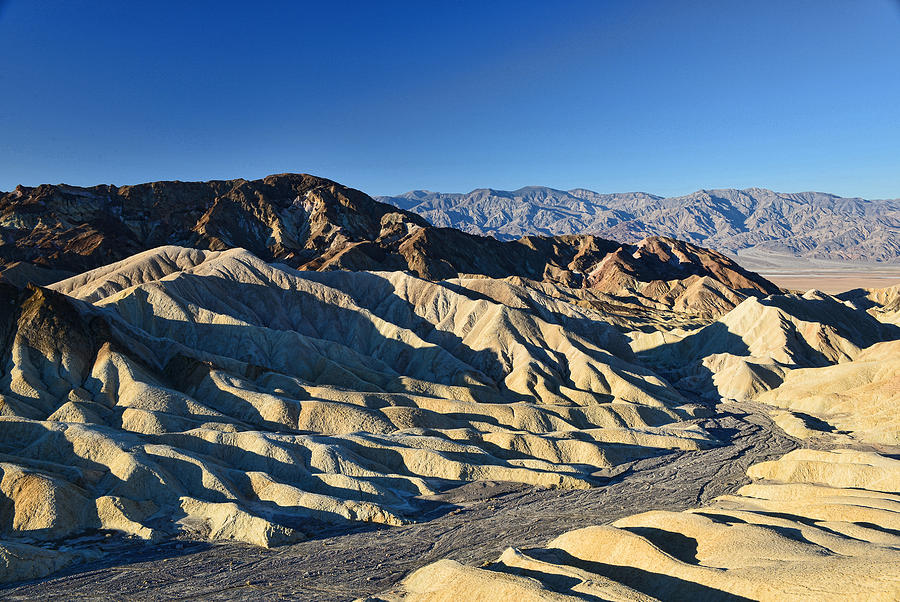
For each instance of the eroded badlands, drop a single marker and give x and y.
(188, 395)
(814, 525)
(214, 395)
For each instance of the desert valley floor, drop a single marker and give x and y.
(285, 389)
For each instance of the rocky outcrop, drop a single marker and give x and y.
(296, 219)
(315, 224)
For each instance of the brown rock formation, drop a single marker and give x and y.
(312, 223)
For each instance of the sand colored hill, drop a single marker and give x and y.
(819, 359)
(814, 525)
(212, 395)
(859, 397)
(883, 303)
(752, 348)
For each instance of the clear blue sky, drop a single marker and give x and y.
(665, 97)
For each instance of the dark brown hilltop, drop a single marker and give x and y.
(312, 223)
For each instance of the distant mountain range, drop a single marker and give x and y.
(752, 222)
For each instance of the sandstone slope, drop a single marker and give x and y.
(212, 395)
(753, 347)
(859, 397)
(882, 303)
(812, 526)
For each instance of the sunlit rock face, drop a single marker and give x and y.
(307, 359)
(762, 342)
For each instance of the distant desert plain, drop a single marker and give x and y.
(827, 276)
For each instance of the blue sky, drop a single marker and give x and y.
(665, 97)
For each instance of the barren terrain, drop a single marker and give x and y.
(765, 223)
(477, 523)
(417, 410)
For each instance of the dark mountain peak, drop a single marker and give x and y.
(313, 223)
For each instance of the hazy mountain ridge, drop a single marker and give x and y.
(807, 224)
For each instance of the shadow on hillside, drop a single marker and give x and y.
(309, 336)
(658, 585)
(681, 361)
(599, 333)
(855, 325)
